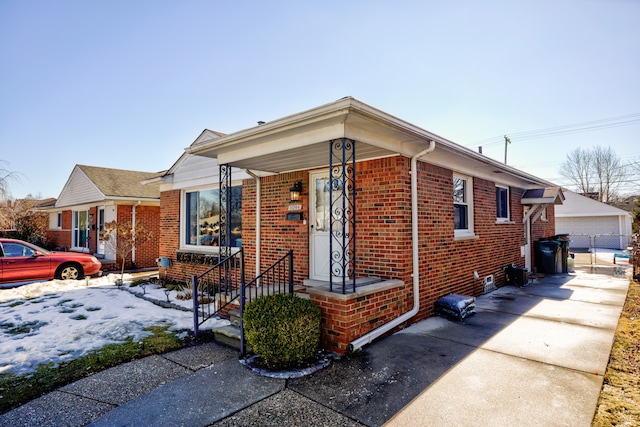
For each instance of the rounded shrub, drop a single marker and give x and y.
(282, 329)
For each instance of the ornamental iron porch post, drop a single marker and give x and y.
(224, 199)
(342, 203)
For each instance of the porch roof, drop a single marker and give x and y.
(300, 142)
(550, 195)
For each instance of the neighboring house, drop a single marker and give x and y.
(592, 223)
(23, 219)
(390, 216)
(93, 196)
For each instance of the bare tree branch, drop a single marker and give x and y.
(577, 168)
(599, 171)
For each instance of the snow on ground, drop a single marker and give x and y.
(607, 255)
(61, 320)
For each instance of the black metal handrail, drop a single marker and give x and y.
(217, 288)
(274, 280)
(224, 284)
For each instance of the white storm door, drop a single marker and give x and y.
(101, 246)
(319, 222)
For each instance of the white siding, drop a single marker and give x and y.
(78, 190)
(53, 221)
(195, 171)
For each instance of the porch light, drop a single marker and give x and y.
(295, 191)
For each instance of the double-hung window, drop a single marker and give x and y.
(463, 205)
(502, 203)
(202, 214)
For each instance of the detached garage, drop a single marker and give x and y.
(592, 223)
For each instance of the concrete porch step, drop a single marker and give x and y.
(228, 335)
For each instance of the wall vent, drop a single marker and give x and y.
(489, 284)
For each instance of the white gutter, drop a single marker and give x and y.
(368, 338)
(258, 217)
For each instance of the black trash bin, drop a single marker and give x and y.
(563, 240)
(547, 255)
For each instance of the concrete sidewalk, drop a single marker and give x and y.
(530, 356)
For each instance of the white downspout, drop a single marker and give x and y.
(258, 217)
(133, 227)
(368, 338)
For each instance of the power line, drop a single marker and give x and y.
(626, 120)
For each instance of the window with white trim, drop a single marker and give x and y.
(201, 221)
(502, 203)
(462, 205)
(543, 215)
(59, 220)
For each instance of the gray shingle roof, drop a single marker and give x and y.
(122, 183)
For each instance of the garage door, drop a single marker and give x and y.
(591, 226)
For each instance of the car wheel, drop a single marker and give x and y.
(70, 272)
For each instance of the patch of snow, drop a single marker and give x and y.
(61, 320)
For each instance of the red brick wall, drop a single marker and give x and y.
(446, 264)
(148, 252)
(62, 237)
(169, 244)
(345, 320)
(169, 223)
(277, 234)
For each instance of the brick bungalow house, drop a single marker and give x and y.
(93, 196)
(383, 217)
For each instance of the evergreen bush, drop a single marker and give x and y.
(282, 329)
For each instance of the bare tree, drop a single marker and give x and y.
(123, 238)
(25, 221)
(577, 168)
(6, 178)
(609, 171)
(634, 174)
(598, 171)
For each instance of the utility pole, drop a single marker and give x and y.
(506, 141)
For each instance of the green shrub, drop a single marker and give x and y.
(282, 328)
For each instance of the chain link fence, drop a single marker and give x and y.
(601, 248)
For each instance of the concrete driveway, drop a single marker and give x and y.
(537, 356)
(531, 356)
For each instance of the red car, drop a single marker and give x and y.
(23, 262)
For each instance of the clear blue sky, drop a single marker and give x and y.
(129, 84)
